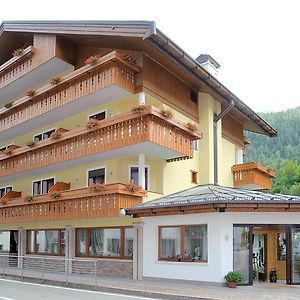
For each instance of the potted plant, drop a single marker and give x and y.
(167, 113)
(132, 187)
(192, 126)
(55, 80)
(18, 52)
(30, 93)
(8, 104)
(92, 60)
(55, 195)
(28, 198)
(31, 144)
(92, 123)
(8, 151)
(233, 278)
(138, 109)
(97, 187)
(55, 135)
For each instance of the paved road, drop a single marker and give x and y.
(14, 290)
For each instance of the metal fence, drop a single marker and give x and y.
(80, 271)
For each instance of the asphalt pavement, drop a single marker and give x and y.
(15, 290)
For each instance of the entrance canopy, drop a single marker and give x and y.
(214, 198)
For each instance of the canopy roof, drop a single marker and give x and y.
(211, 197)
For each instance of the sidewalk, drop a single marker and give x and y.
(163, 289)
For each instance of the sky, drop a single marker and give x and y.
(256, 42)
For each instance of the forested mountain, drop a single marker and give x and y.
(282, 152)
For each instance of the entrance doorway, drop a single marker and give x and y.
(267, 253)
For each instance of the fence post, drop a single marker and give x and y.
(43, 271)
(4, 262)
(67, 272)
(22, 272)
(96, 274)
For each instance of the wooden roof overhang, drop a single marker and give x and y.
(212, 208)
(137, 36)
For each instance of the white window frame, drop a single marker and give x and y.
(93, 169)
(41, 179)
(137, 166)
(197, 145)
(5, 187)
(96, 113)
(42, 133)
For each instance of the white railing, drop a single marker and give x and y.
(58, 269)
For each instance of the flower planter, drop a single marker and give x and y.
(232, 284)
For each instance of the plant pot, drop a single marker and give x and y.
(232, 284)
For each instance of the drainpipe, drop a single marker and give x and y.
(215, 137)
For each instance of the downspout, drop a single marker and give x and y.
(215, 137)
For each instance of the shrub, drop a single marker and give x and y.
(28, 198)
(192, 126)
(167, 113)
(97, 187)
(55, 195)
(138, 109)
(31, 144)
(18, 52)
(30, 93)
(55, 135)
(92, 123)
(55, 80)
(132, 187)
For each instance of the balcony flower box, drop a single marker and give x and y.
(97, 187)
(92, 60)
(132, 187)
(167, 113)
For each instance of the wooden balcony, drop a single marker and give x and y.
(81, 89)
(252, 176)
(28, 70)
(127, 134)
(70, 204)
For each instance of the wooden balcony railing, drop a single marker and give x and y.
(114, 132)
(16, 67)
(110, 69)
(69, 205)
(253, 176)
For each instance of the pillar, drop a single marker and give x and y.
(21, 246)
(138, 251)
(70, 239)
(142, 179)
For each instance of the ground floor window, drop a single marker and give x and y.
(104, 242)
(50, 242)
(4, 241)
(183, 243)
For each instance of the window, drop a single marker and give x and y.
(194, 176)
(99, 116)
(42, 186)
(43, 136)
(134, 176)
(96, 176)
(4, 241)
(51, 242)
(183, 243)
(195, 145)
(105, 242)
(5, 190)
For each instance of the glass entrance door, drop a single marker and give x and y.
(295, 255)
(242, 252)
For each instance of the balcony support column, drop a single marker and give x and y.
(142, 98)
(138, 251)
(70, 240)
(142, 170)
(21, 246)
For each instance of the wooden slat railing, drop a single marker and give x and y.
(73, 204)
(115, 132)
(16, 67)
(252, 174)
(111, 69)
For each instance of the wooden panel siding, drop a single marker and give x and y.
(114, 132)
(252, 173)
(172, 90)
(111, 69)
(232, 130)
(71, 205)
(16, 67)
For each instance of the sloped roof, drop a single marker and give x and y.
(157, 40)
(217, 196)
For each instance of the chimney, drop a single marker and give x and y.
(208, 63)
